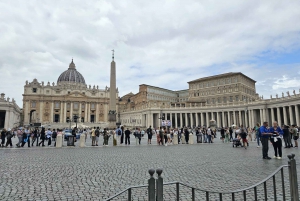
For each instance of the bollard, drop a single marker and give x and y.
(159, 185)
(191, 138)
(182, 138)
(151, 186)
(175, 139)
(293, 178)
(59, 140)
(82, 140)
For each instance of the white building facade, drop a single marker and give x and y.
(10, 113)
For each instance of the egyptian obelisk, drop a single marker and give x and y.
(112, 115)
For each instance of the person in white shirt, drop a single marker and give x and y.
(49, 135)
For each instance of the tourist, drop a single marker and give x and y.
(249, 135)
(122, 134)
(142, 133)
(74, 131)
(257, 133)
(243, 135)
(169, 137)
(97, 134)
(295, 134)
(8, 136)
(287, 137)
(186, 135)
(35, 137)
(54, 135)
(222, 134)
(105, 137)
(226, 135)
(199, 135)
(179, 135)
(19, 135)
(127, 136)
(84, 132)
(3, 136)
(161, 136)
(230, 133)
(276, 139)
(137, 134)
(209, 134)
(119, 134)
(94, 136)
(26, 138)
(49, 135)
(265, 135)
(149, 133)
(43, 136)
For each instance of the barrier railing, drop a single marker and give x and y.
(156, 186)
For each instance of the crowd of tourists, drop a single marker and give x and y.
(164, 136)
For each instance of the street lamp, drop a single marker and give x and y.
(75, 117)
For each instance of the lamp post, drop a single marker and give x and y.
(75, 117)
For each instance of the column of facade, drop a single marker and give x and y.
(41, 111)
(292, 121)
(186, 119)
(234, 119)
(151, 119)
(261, 116)
(97, 113)
(180, 119)
(176, 125)
(229, 118)
(51, 112)
(197, 119)
(71, 111)
(192, 120)
(201, 119)
(218, 120)
(61, 116)
(65, 112)
(87, 109)
(252, 118)
(79, 111)
(246, 119)
(240, 118)
(284, 116)
(207, 119)
(297, 115)
(85, 113)
(223, 119)
(278, 117)
(264, 115)
(272, 116)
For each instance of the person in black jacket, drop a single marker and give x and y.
(42, 138)
(9, 135)
(186, 135)
(287, 137)
(35, 137)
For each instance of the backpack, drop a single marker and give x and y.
(54, 134)
(97, 133)
(119, 132)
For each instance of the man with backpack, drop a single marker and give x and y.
(119, 134)
(149, 132)
(97, 134)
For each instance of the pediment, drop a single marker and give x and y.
(76, 95)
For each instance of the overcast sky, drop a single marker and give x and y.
(161, 43)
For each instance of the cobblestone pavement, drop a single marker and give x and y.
(96, 173)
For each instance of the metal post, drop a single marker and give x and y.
(193, 194)
(151, 186)
(282, 181)
(129, 194)
(293, 178)
(177, 191)
(159, 185)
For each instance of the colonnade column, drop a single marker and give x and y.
(292, 121)
(192, 120)
(252, 118)
(176, 125)
(186, 119)
(246, 119)
(197, 119)
(228, 116)
(201, 120)
(218, 120)
(261, 116)
(88, 112)
(85, 112)
(181, 120)
(151, 119)
(272, 115)
(223, 119)
(297, 115)
(207, 119)
(284, 116)
(240, 118)
(97, 113)
(234, 119)
(278, 117)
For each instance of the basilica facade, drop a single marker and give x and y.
(58, 103)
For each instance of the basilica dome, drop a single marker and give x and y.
(71, 75)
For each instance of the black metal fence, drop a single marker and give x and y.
(156, 187)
